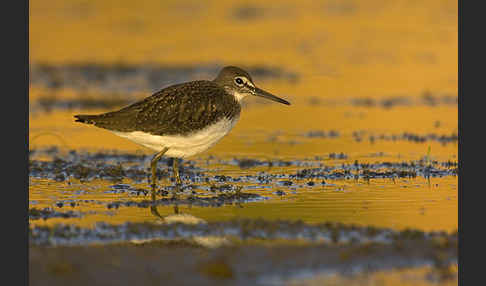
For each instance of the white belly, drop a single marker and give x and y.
(182, 146)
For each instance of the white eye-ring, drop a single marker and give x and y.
(239, 81)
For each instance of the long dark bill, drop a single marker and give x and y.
(268, 95)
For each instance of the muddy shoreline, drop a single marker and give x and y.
(183, 262)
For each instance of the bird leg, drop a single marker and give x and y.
(153, 166)
(176, 171)
(154, 211)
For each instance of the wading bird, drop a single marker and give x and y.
(185, 119)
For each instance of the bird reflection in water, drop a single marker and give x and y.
(154, 211)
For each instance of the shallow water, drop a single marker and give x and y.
(302, 191)
(370, 140)
(382, 182)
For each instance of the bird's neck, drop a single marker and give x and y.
(238, 96)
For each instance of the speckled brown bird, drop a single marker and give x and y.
(185, 119)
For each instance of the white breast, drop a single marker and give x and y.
(183, 146)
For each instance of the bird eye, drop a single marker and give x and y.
(239, 81)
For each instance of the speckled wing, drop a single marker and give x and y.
(178, 109)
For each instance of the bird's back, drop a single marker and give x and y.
(179, 109)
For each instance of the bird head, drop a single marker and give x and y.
(240, 84)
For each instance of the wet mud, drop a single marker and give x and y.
(114, 167)
(241, 252)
